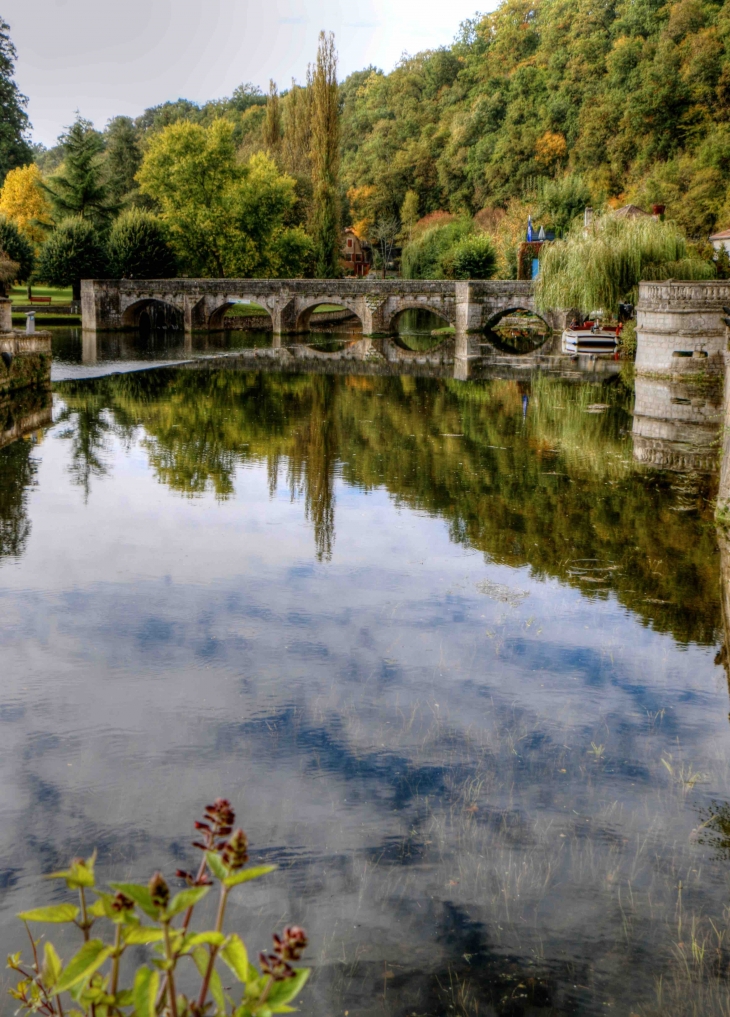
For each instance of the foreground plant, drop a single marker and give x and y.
(135, 915)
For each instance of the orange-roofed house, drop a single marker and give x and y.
(356, 255)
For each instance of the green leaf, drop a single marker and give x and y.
(202, 959)
(283, 992)
(215, 864)
(236, 957)
(216, 991)
(98, 910)
(186, 898)
(246, 874)
(198, 938)
(146, 987)
(140, 895)
(143, 934)
(125, 997)
(52, 966)
(57, 913)
(89, 958)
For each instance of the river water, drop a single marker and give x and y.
(453, 652)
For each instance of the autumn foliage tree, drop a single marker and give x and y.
(24, 201)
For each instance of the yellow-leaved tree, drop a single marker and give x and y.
(23, 200)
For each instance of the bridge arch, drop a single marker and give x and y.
(215, 319)
(304, 314)
(152, 313)
(446, 314)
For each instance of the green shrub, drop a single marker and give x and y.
(138, 248)
(424, 257)
(93, 978)
(627, 340)
(17, 247)
(74, 251)
(474, 257)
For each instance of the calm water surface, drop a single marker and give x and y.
(451, 651)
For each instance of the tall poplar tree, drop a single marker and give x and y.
(296, 150)
(15, 149)
(272, 124)
(325, 154)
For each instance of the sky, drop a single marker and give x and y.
(111, 57)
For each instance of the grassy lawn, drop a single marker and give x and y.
(253, 310)
(19, 294)
(246, 311)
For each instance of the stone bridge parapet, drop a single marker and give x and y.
(202, 303)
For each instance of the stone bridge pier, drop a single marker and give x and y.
(201, 304)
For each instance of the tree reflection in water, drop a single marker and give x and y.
(558, 490)
(496, 833)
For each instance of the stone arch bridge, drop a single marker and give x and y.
(193, 304)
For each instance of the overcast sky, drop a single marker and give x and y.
(106, 57)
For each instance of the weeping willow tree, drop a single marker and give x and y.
(325, 153)
(602, 265)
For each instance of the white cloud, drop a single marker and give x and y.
(109, 57)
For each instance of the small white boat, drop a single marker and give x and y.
(590, 337)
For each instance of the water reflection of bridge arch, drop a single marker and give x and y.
(447, 316)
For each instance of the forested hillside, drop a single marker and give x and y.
(634, 96)
(543, 107)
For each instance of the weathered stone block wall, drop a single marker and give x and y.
(679, 327)
(676, 424)
(31, 361)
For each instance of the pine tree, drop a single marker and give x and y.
(79, 188)
(325, 153)
(123, 158)
(15, 150)
(272, 124)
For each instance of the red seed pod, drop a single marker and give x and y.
(122, 903)
(276, 967)
(292, 942)
(159, 890)
(235, 850)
